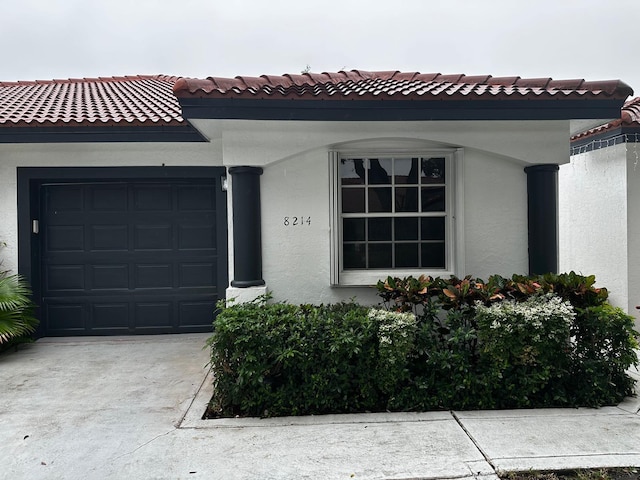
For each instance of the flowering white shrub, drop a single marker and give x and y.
(535, 331)
(537, 315)
(393, 327)
(396, 339)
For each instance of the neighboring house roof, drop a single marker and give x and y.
(625, 128)
(93, 109)
(629, 117)
(393, 95)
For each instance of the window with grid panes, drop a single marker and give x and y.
(394, 212)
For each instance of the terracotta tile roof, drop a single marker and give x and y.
(142, 100)
(629, 118)
(394, 85)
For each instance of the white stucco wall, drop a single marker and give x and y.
(266, 141)
(296, 259)
(85, 155)
(593, 218)
(295, 182)
(495, 216)
(633, 233)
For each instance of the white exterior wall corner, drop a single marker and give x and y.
(141, 154)
(593, 219)
(633, 234)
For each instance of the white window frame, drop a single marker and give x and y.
(454, 221)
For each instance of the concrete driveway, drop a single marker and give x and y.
(130, 408)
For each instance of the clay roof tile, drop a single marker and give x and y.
(131, 100)
(362, 84)
(629, 118)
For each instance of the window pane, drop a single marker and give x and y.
(406, 228)
(432, 255)
(394, 212)
(352, 171)
(379, 171)
(433, 199)
(407, 199)
(432, 228)
(432, 170)
(353, 229)
(353, 200)
(407, 255)
(380, 199)
(354, 255)
(380, 255)
(380, 229)
(406, 170)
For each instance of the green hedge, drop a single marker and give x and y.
(439, 344)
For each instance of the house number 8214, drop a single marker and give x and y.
(294, 221)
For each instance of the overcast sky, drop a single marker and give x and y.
(591, 39)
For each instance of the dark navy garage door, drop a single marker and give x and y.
(131, 257)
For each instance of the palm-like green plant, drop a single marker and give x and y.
(16, 308)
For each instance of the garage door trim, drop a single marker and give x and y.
(30, 179)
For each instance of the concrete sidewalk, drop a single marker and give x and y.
(130, 408)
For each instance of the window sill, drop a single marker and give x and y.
(368, 278)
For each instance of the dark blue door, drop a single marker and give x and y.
(131, 257)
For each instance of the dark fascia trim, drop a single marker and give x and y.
(183, 133)
(73, 174)
(392, 110)
(606, 139)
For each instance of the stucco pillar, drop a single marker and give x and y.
(542, 201)
(247, 242)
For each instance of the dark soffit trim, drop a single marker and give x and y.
(385, 110)
(186, 133)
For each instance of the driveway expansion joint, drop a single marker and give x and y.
(474, 441)
(145, 444)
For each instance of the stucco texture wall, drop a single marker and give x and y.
(295, 183)
(495, 216)
(593, 216)
(633, 233)
(13, 156)
(296, 258)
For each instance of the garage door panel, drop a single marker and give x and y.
(137, 257)
(109, 237)
(110, 316)
(192, 313)
(152, 197)
(109, 277)
(109, 198)
(65, 198)
(65, 238)
(197, 275)
(153, 237)
(153, 314)
(196, 198)
(64, 278)
(153, 276)
(196, 237)
(63, 317)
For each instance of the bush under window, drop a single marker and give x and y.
(438, 344)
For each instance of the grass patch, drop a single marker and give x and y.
(622, 473)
